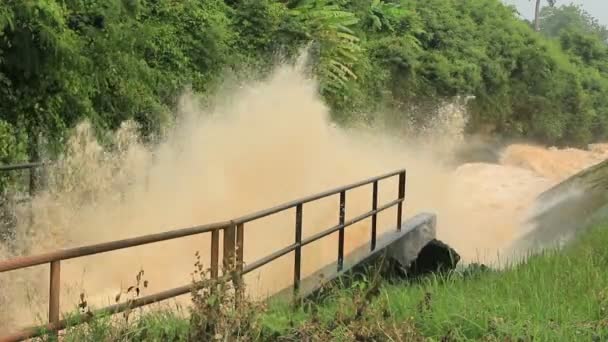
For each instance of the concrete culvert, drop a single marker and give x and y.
(434, 257)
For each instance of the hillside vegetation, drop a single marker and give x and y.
(109, 61)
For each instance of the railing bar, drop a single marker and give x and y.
(22, 166)
(341, 218)
(240, 246)
(239, 249)
(54, 292)
(261, 262)
(229, 248)
(271, 257)
(29, 261)
(374, 216)
(401, 196)
(297, 264)
(348, 223)
(215, 253)
(304, 200)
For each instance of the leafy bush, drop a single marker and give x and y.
(116, 60)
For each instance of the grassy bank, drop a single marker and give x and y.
(557, 296)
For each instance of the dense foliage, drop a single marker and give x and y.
(556, 20)
(65, 60)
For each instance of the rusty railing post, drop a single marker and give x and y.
(215, 253)
(240, 245)
(31, 182)
(54, 293)
(341, 231)
(374, 216)
(401, 196)
(238, 280)
(297, 263)
(229, 260)
(229, 246)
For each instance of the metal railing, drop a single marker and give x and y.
(22, 166)
(31, 166)
(233, 246)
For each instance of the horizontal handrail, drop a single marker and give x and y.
(22, 166)
(304, 200)
(350, 222)
(29, 261)
(271, 257)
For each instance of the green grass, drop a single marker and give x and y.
(556, 296)
(161, 325)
